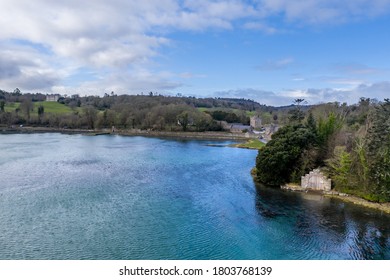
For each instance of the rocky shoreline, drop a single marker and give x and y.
(384, 207)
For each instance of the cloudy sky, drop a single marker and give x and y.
(271, 51)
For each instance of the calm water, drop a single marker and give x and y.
(112, 197)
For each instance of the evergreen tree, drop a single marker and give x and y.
(278, 161)
(296, 114)
(340, 166)
(379, 151)
(2, 105)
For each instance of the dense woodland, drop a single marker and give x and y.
(351, 143)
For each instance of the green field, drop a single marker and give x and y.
(49, 107)
(53, 107)
(203, 109)
(10, 107)
(251, 144)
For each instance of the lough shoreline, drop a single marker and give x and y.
(384, 207)
(212, 135)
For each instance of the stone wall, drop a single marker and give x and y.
(315, 180)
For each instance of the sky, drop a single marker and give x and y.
(270, 51)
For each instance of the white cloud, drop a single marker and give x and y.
(116, 35)
(26, 68)
(131, 82)
(45, 42)
(228, 10)
(378, 90)
(255, 25)
(261, 96)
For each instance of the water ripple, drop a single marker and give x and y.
(77, 197)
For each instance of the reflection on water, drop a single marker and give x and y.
(112, 197)
(336, 229)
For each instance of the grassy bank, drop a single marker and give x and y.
(250, 144)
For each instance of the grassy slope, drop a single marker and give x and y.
(49, 107)
(53, 107)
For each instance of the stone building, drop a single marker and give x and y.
(255, 122)
(315, 180)
(238, 127)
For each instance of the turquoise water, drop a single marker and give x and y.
(113, 197)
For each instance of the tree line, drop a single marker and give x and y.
(151, 111)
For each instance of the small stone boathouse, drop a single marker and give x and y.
(315, 180)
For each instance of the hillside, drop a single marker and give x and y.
(152, 111)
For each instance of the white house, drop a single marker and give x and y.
(52, 97)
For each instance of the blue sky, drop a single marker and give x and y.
(272, 51)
